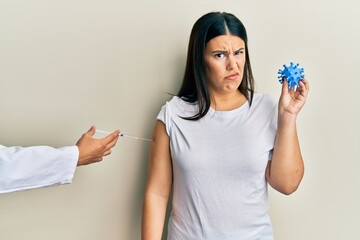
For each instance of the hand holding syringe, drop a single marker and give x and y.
(125, 135)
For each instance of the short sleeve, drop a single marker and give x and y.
(273, 127)
(164, 116)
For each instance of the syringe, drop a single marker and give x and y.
(125, 135)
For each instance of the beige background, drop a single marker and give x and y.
(65, 65)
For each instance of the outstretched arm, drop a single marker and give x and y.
(23, 168)
(93, 150)
(284, 173)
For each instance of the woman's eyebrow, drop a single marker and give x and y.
(219, 51)
(242, 48)
(224, 51)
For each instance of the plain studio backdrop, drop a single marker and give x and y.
(65, 65)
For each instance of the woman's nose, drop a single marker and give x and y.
(231, 63)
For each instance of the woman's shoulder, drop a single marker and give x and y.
(175, 101)
(178, 103)
(179, 107)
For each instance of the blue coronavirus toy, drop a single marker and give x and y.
(292, 74)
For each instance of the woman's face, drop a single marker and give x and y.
(224, 63)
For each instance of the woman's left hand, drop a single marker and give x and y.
(292, 101)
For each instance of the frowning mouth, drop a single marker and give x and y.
(233, 76)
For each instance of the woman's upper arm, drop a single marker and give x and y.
(160, 166)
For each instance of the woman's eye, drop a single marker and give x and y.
(219, 55)
(239, 52)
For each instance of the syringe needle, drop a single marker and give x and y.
(138, 138)
(125, 135)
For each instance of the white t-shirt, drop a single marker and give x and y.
(219, 162)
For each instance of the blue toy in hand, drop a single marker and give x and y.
(293, 74)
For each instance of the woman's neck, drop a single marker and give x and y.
(227, 102)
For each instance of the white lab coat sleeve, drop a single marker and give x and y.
(23, 168)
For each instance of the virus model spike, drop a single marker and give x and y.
(292, 74)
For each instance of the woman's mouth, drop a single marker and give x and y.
(233, 76)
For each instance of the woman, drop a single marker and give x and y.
(215, 142)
